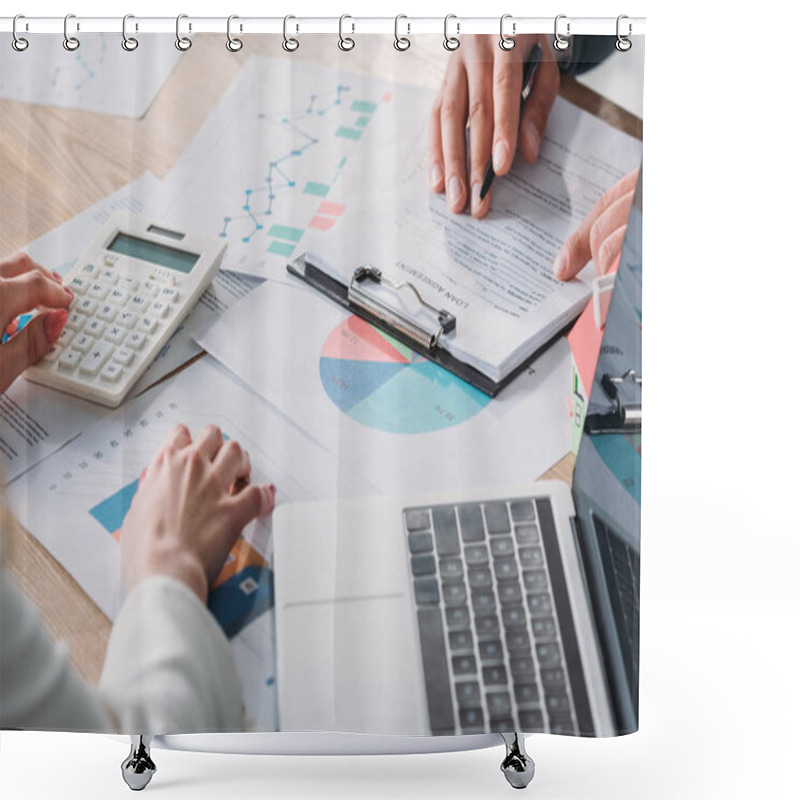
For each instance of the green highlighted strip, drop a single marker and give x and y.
(348, 133)
(364, 106)
(281, 248)
(319, 189)
(285, 232)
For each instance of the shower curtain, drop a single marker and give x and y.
(387, 286)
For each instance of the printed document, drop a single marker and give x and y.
(99, 76)
(75, 502)
(494, 274)
(403, 422)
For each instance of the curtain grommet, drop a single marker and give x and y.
(71, 43)
(401, 43)
(19, 43)
(233, 44)
(451, 43)
(623, 44)
(290, 44)
(129, 43)
(346, 43)
(507, 42)
(559, 42)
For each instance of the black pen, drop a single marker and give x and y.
(528, 77)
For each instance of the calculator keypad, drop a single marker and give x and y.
(110, 324)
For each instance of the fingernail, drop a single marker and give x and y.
(269, 499)
(475, 202)
(532, 138)
(436, 176)
(54, 323)
(560, 265)
(69, 291)
(57, 277)
(499, 156)
(454, 191)
(142, 474)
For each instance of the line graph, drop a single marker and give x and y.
(287, 177)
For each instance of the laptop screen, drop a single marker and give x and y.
(607, 480)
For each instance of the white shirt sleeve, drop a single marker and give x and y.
(169, 668)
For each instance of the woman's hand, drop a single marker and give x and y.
(189, 509)
(26, 286)
(483, 85)
(601, 234)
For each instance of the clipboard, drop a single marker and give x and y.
(424, 340)
(624, 414)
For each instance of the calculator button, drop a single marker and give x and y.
(147, 325)
(135, 340)
(129, 283)
(109, 276)
(118, 296)
(70, 359)
(127, 319)
(139, 302)
(124, 356)
(110, 260)
(107, 312)
(65, 336)
(115, 334)
(96, 357)
(88, 270)
(111, 372)
(52, 354)
(87, 306)
(98, 290)
(82, 343)
(75, 321)
(96, 328)
(149, 288)
(159, 309)
(79, 285)
(169, 295)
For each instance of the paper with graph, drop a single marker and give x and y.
(260, 171)
(99, 76)
(75, 502)
(402, 420)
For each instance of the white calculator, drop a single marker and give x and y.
(133, 287)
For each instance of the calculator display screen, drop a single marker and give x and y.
(156, 253)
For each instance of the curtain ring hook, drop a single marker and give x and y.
(560, 43)
(71, 43)
(401, 43)
(183, 43)
(233, 44)
(451, 42)
(129, 43)
(623, 44)
(506, 42)
(346, 43)
(18, 43)
(290, 44)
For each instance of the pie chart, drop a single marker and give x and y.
(379, 382)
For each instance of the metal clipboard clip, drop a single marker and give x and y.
(625, 416)
(359, 297)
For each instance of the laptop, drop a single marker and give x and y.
(481, 611)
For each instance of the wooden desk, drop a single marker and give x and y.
(68, 160)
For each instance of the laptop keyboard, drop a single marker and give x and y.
(492, 653)
(621, 566)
